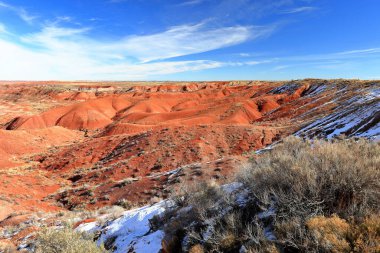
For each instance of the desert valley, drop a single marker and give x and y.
(85, 152)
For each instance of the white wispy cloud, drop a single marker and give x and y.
(64, 19)
(188, 39)
(334, 60)
(40, 65)
(175, 41)
(57, 52)
(3, 29)
(117, 1)
(146, 70)
(94, 19)
(245, 55)
(4, 5)
(299, 10)
(281, 67)
(349, 54)
(191, 2)
(20, 12)
(361, 51)
(247, 63)
(24, 15)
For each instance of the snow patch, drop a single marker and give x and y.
(232, 187)
(132, 230)
(358, 116)
(288, 88)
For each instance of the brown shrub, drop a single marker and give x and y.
(365, 236)
(318, 177)
(197, 249)
(66, 240)
(271, 248)
(321, 193)
(329, 233)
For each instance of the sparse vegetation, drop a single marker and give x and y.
(303, 196)
(66, 240)
(124, 203)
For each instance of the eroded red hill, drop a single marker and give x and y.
(78, 145)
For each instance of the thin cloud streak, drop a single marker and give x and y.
(117, 1)
(191, 2)
(334, 60)
(299, 10)
(361, 51)
(343, 55)
(3, 29)
(20, 12)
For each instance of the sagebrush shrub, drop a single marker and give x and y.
(365, 236)
(316, 177)
(330, 234)
(325, 196)
(65, 240)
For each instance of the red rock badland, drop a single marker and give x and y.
(86, 145)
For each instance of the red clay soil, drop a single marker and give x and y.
(86, 145)
(22, 186)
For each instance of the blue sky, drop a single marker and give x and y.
(189, 40)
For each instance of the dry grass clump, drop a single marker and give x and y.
(66, 240)
(303, 196)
